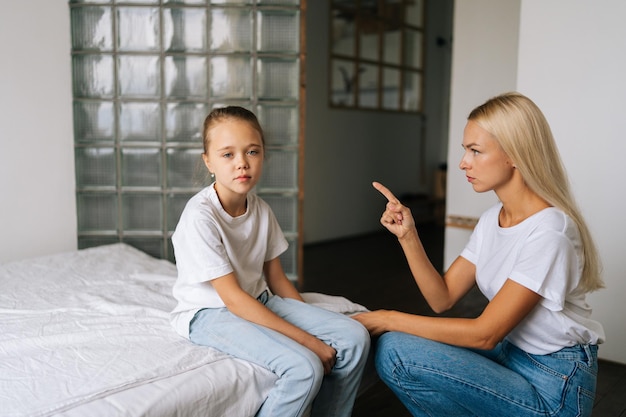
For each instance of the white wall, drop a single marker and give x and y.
(484, 63)
(571, 61)
(37, 209)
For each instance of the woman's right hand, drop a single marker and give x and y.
(396, 218)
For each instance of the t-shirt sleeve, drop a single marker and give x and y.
(470, 252)
(276, 242)
(199, 251)
(548, 265)
(473, 246)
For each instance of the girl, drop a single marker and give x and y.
(232, 292)
(533, 350)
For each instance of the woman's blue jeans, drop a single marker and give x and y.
(301, 379)
(435, 379)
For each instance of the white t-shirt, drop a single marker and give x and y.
(209, 243)
(544, 254)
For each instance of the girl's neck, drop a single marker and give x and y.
(233, 204)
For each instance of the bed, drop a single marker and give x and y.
(87, 333)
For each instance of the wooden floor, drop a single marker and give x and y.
(371, 270)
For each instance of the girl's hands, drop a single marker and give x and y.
(243, 305)
(396, 217)
(280, 285)
(326, 353)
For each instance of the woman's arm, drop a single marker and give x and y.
(248, 308)
(505, 311)
(441, 293)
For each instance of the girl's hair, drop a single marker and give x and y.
(221, 114)
(523, 132)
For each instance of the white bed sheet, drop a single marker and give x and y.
(87, 333)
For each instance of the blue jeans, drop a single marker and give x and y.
(435, 379)
(301, 379)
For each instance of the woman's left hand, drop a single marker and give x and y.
(375, 321)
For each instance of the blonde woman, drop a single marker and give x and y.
(533, 350)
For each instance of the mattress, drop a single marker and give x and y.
(87, 333)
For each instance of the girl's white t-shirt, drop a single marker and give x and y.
(209, 243)
(544, 254)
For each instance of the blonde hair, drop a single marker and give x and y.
(524, 134)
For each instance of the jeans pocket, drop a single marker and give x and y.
(565, 384)
(579, 395)
(585, 402)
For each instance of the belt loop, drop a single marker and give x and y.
(589, 354)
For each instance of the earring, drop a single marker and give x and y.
(212, 175)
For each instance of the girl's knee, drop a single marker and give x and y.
(353, 346)
(308, 377)
(360, 335)
(299, 381)
(306, 369)
(356, 338)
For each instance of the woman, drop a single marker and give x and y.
(533, 350)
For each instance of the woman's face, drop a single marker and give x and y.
(486, 165)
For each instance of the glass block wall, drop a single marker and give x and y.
(145, 75)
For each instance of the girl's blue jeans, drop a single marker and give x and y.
(301, 381)
(435, 379)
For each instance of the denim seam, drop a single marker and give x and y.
(478, 388)
(265, 330)
(583, 392)
(543, 367)
(407, 393)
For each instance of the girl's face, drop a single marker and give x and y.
(486, 165)
(235, 156)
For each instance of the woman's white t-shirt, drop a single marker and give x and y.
(544, 254)
(209, 243)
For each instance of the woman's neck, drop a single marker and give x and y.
(519, 206)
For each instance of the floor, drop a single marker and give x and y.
(371, 270)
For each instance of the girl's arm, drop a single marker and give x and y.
(507, 309)
(277, 280)
(248, 308)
